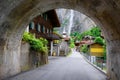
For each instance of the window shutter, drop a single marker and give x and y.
(42, 27)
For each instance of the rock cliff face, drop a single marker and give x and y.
(73, 21)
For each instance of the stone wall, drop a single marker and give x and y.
(31, 59)
(24, 56)
(16, 14)
(9, 58)
(37, 59)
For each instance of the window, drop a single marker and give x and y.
(38, 27)
(43, 29)
(45, 16)
(31, 25)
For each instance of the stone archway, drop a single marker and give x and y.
(16, 14)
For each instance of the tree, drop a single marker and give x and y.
(95, 32)
(84, 49)
(99, 40)
(72, 45)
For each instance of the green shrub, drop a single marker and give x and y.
(95, 31)
(44, 41)
(27, 36)
(84, 49)
(72, 45)
(39, 45)
(99, 40)
(36, 45)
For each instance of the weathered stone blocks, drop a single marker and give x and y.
(105, 13)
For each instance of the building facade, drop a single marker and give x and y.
(43, 25)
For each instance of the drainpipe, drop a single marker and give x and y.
(51, 51)
(58, 50)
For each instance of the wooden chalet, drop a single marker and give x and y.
(42, 26)
(95, 49)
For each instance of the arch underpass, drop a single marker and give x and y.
(16, 14)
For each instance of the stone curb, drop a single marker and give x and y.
(95, 66)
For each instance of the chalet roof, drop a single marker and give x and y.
(52, 15)
(49, 36)
(95, 43)
(58, 35)
(66, 38)
(88, 42)
(54, 36)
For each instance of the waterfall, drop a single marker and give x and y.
(71, 21)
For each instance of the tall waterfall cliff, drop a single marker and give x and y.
(72, 21)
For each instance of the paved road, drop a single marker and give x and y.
(73, 67)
